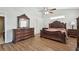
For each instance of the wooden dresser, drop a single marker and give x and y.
(22, 33)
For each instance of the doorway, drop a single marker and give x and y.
(2, 30)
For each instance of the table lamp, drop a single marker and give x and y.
(72, 24)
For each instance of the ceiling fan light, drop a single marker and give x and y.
(46, 13)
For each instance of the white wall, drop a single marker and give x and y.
(11, 20)
(70, 14)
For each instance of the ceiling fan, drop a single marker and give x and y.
(48, 10)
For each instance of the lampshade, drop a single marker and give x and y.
(72, 23)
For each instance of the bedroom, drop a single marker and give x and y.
(39, 18)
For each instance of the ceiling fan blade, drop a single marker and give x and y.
(51, 12)
(52, 9)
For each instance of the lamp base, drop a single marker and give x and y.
(72, 27)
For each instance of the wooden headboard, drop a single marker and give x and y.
(57, 24)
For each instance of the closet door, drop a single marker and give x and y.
(2, 33)
(1, 26)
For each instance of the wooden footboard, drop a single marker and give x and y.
(57, 35)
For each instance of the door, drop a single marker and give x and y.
(2, 29)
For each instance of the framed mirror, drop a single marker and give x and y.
(23, 21)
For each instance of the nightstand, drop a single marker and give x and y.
(72, 33)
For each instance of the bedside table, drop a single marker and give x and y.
(72, 33)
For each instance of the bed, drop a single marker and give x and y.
(56, 31)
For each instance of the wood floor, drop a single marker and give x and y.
(40, 44)
(1, 40)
